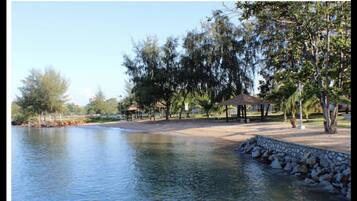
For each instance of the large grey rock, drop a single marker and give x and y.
(311, 161)
(338, 177)
(288, 167)
(325, 162)
(276, 164)
(326, 177)
(266, 154)
(256, 153)
(316, 172)
(344, 191)
(310, 181)
(328, 186)
(316, 165)
(306, 156)
(248, 148)
(271, 157)
(300, 169)
(242, 145)
(287, 159)
(348, 196)
(337, 185)
(347, 172)
(281, 154)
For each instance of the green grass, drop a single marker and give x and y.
(318, 120)
(100, 120)
(315, 120)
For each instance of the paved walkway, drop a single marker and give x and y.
(311, 136)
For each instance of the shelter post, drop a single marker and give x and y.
(266, 113)
(245, 113)
(226, 113)
(237, 112)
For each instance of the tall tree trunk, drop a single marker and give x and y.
(238, 112)
(182, 105)
(326, 112)
(167, 113)
(266, 113)
(226, 113)
(307, 116)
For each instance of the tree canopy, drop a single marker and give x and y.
(307, 43)
(43, 92)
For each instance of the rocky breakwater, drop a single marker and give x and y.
(315, 166)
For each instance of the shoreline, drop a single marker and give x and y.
(239, 132)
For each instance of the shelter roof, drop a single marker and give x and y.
(244, 99)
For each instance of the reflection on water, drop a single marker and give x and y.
(95, 163)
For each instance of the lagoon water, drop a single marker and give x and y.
(99, 163)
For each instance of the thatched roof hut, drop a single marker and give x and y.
(133, 107)
(159, 105)
(241, 101)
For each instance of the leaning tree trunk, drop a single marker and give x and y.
(330, 124)
(307, 116)
(167, 111)
(333, 128)
(266, 113)
(182, 105)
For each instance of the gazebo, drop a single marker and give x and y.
(160, 106)
(241, 101)
(132, 109)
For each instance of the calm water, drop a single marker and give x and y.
(96, 163)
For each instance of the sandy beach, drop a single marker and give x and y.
(235, 131)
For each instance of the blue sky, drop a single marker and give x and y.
(86, 41)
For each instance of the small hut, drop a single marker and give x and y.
(160, 107)
(241, 101)
(132, 109)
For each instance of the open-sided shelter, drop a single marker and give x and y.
(241, 101)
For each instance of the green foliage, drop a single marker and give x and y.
(18, 115)
(72, 108)
(100, 105)
(154, 72)
(112, 106)
(306, 42)
(43, 92)
(219, 62)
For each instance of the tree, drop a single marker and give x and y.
(153, 71)
(97, 104)
(313, 40)
(112, 106)
(167, 76)
(73, 108)
(142, 70)
(190, 75)
(43, 92)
